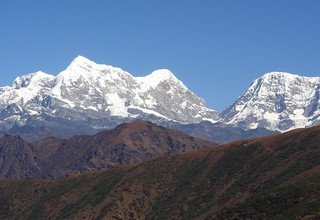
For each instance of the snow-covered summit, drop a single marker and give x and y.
(279, 74)
(81, 60)
(277, 101)
(32, 78)
(88, 66)
(159, 76)
(286, 78)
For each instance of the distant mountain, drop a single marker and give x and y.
(276, 177)
(219, 132)
(277, 101)
(89, 90)
(126, 144)
(63, 128)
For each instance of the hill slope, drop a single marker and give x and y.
(127, 143)
(274, 177)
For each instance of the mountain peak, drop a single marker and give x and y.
(275, 76)
(285, 75)
(81, 61)
(138, 125)
(276, 73)
(162, 73)
(32, 78)
(159, 76)
(277, 101)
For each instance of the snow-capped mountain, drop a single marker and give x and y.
(277, 101)
(87, 97)
(89, 90)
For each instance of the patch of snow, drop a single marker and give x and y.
(210, 120)
(148, 111)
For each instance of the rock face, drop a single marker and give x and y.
(277, 101)
(126, 144)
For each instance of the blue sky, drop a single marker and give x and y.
(215, 47)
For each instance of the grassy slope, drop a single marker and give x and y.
(275, 177)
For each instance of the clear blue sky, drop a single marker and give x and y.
(215, 47)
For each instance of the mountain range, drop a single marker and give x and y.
(87, 98)
(275, 177)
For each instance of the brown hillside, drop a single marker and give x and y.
(128, 143)
(277, 177)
